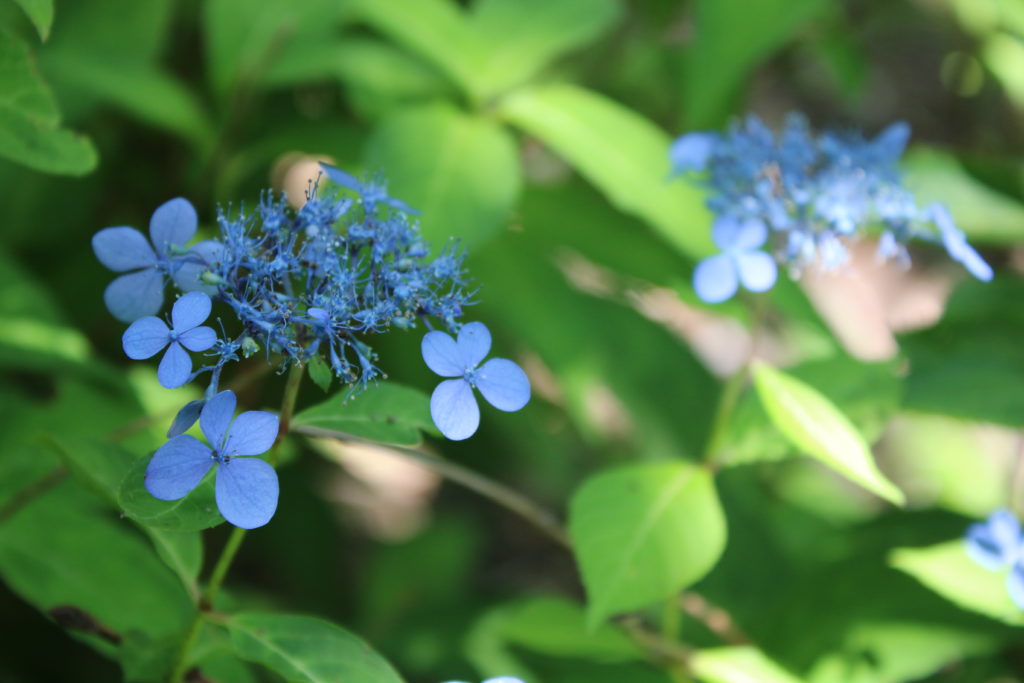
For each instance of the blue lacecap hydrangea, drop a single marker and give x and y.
(998, 544)
(311, 285)
(797, 199)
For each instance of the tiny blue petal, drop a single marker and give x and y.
(246, 492)
(215, 419)
(185, 418)
(715, 279)
(123, 248)
(442, 354)
(175, 367)
(145, 337)
(189, 311)
(691, 152)
(177, 467)
(252, 433)
(474, 343)
(173, 223)
(503, 384)
(454, 410)
(135, 295)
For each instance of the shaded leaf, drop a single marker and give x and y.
(40, 13)
(30, 131)
(307, 649)
(738, 664)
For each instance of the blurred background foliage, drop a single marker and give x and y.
(536, 132)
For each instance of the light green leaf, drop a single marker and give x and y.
(985, 214)
(461, 171)
(523, 36)
(182, 551)
(738, 664)
(556, 627)
(948, 570)
(40, 13)
(642, 533)
(196, 511)
(814, 425)
(435, 29)
(30, 131)
(388, 413)
(620, 152)
(307, 649)
(730, 38)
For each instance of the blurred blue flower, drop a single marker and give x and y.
(717, 277)
(452, 405)
(147, 336)
(998, 544)
(246, 487)
(371, 193)
(812, 194)
(121, 249)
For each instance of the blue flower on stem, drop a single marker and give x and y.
(955, 242)
(147, 336)
(123, 249)
(452, 405)
(371, 193)
(998, 544)
(717, 278)
(246, 487)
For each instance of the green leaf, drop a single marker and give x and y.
(869, 394)
(388, 413)
(642, 533)
(307, 649)
(30, 131)
(101, 467)
(182, 551)
(948, 570)
(814, 425)
(144, 91)
(461, 171)
(440, 32)
(738, 664)
(730, 38)
(556, 627)
(61, 549)
(523, 36)
(620, 152)
(985, 214)
(320, 373)
(196, 511)
(40, 13)
(243, 40)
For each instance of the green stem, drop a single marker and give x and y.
(508, 498)
(227, 554)
(727, 400)
(671, 619)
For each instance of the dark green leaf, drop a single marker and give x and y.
(30, 131)
(642, 533)
(197, 510)
(320, 373)
(307, 649)
(388, 412)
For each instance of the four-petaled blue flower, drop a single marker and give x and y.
(998, 544)
(246, 487)
(123, 249)
(147, 336)
(716, 278)
(452, 405)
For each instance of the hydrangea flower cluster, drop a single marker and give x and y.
(307, 286)
(998, 544)
(803, 198)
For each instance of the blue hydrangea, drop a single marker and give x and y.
(122, 249)
(452, 405)
(812, 195)
(246, 487)
(147, 336)
(998, 544)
